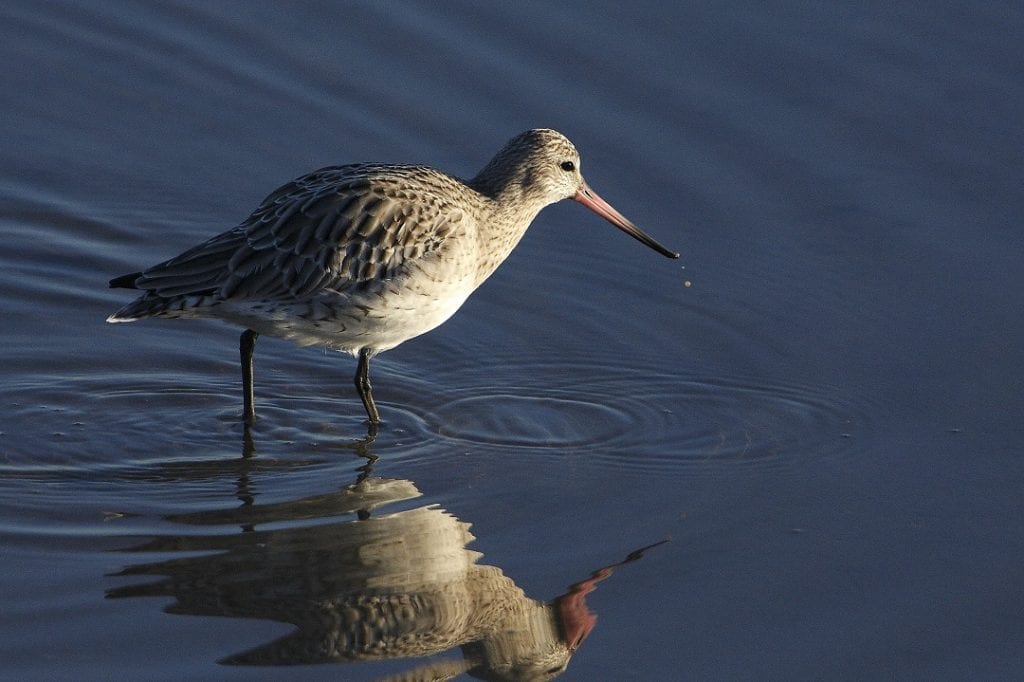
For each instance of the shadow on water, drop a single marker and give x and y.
(372, 587)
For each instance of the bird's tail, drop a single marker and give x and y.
(148, 305)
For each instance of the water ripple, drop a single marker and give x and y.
(636, 416)
(648, 418)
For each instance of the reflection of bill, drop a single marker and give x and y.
(383, 586)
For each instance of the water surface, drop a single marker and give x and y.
(825, 425)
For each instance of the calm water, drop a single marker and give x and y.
(826, 425)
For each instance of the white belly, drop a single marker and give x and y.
(378, 320)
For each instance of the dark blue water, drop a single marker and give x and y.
(826, 425)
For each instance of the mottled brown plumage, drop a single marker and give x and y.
(360, 258)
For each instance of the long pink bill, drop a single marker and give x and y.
(591, 200)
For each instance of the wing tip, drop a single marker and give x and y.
(125, 281)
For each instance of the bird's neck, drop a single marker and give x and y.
(513, 201)
(508, 217)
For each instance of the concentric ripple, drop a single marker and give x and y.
(647, 418)
(524, 420)
(90, 421)
(632, 416)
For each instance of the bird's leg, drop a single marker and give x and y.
(246, 344)
(365, 390)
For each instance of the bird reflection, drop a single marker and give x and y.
(377, 586)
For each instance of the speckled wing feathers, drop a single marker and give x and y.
(333, 229)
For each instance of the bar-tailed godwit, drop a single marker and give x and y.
(360, 258)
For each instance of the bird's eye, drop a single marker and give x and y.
(568, 166)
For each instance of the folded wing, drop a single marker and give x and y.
(335, 229)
